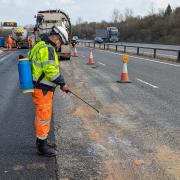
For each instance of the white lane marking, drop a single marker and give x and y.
(147, 83)
(156, 61)
(5, 57)
(101, 63)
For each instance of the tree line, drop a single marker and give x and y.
(162, 27)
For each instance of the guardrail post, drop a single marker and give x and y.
(99, 45)
(178, 58)
(94, 45)
(154, 53)
(124, 49)
(137, 50)
(116, 48)
(108, 47)
(104, 46)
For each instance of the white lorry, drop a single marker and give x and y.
(45, 20)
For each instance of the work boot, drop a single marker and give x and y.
(44, 149)
(51, 144)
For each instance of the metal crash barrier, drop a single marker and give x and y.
(138, 50)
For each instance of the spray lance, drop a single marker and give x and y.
(83, 100)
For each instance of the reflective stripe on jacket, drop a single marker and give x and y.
(44, 59)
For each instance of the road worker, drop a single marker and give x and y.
(30, 42)
(9, 43)
(46, 76)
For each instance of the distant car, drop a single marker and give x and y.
(98, 40)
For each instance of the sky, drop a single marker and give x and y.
(23, 11)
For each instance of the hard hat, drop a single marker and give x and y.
(61, 32)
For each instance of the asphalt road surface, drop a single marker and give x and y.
(18, 158)
(135, 135)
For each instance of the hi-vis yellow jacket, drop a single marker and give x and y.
(44, 59)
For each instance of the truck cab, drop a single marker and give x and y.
(113, 34)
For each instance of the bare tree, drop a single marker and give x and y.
(79, 20)
(152, 10)
(79, 25)
(128, 13)
(115, 15)
(161, 11)
(121, 17)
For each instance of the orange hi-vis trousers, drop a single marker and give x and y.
(9, 45)
(43, 108)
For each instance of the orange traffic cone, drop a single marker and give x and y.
(124, 75)
(75, 53)
(91, 59)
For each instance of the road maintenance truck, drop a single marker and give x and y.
(45, 20)
(20, 36)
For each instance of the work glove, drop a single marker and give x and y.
(64, 88)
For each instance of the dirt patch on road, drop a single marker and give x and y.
(114, 109)
(115, 171)
(84, 112)
(99, 133)
(169, 159)
(97, 123)
(88, 116)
